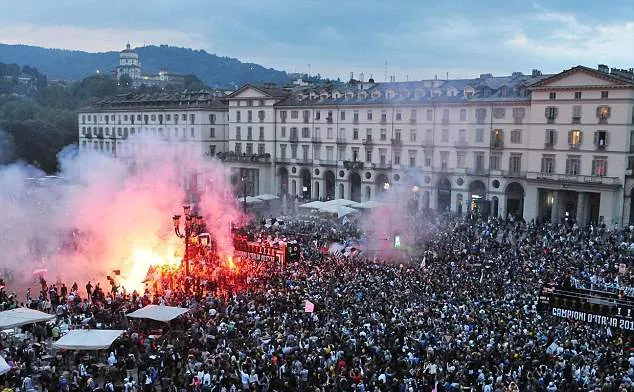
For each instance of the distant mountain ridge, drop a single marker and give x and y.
(213, 70)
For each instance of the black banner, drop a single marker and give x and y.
(609, 309)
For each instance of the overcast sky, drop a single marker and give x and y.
(418, 39)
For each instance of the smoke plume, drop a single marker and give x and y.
(382, 225)
(102, 213)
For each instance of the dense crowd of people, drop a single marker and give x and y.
(460, 315)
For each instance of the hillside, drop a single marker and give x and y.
(214, 71)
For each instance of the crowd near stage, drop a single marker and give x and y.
(316, 304)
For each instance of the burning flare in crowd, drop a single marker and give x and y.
(103, 214)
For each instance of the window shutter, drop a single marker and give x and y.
(606, 139)
(580, 137)
(569, 137)
(596, 138)
(594, 167)
(546, 136)
(554, 137)
(492, 136)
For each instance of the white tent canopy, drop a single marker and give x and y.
(267, 197)
(342, 202)
(250, 200)
(370, 204)
(158, 313)
(22, 316)
(313, 204)
(88, 339)
(339, 210)
(4, 366)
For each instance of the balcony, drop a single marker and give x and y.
(383, 120)
(293, 139)
(341, 140)
(478, 171)
(514, 173)
(412, 121)
(353, 165)
(329, 120)
(316, 139)
(497, 144)
(327, 162)
(283, 159)
(368, 141)
(442, 168)
(461, 144)
(304, 161)
(244, 158)
(574, 179)
(306, 120)
(549, 146)
(396, 142)
(382, 165)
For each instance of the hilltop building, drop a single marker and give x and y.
(130, 65)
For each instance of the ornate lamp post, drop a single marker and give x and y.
(244, 192)
(193, 225)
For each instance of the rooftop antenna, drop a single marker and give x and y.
(386, 71)
(309, 70)
(447, 75)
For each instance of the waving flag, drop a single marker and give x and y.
(309, 307)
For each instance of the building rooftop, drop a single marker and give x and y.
(165, 100)
(486, 88)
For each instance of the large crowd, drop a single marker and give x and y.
(460, 315)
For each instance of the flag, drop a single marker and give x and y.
(309, 307)
(424, 263)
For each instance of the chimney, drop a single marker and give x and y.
(536, 72)
(392, 79)
(361, 77)
(603, 68)
(351, 75)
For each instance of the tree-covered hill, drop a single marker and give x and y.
(213, 70)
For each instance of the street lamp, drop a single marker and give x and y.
(193, 226)
(244, 192)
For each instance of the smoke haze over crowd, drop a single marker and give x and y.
(103, 214)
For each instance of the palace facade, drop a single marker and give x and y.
(536, 146)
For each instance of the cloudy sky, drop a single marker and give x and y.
(418, 38)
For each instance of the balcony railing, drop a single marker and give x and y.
(327, 162)
(316, 139)
(283, 160)
(329, 120)
(549, 146)
(571, 178)
(514, 173)
(441, 168)
(293, 139)
(353, 165)
(461, 144)
(384, 165)
(497, 144)
(341, 140)
(355, 121)
(412, 121)
(252, 158)
(478, 171)
(368, 141)
(397, 142)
